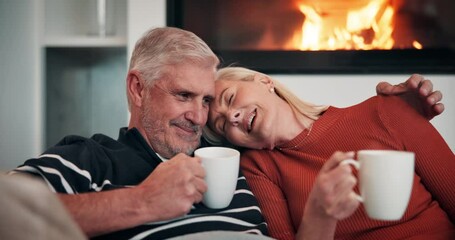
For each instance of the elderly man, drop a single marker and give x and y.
(146, 184)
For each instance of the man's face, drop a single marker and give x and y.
(175, 109)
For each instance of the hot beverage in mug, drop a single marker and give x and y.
(221, 166)
(385, 181)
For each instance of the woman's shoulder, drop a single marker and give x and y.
(257, 158)
(378, 102)
(355, 111)
(372, 109)
(386, 108)
(254, 154)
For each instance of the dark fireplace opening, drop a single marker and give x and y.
(324, 36)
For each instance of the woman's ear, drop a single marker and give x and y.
(135, 88)
(264, 79)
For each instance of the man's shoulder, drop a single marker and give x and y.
(76, 143)
(81, 164)
(77, 139)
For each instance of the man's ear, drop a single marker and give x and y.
(135, 87)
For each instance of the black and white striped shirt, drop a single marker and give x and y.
(77, 165)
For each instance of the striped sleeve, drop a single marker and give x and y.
(242, 215)
(69, 167)
(82, 165)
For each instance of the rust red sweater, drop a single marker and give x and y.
(282, 178)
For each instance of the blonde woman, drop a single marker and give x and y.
(293, 152)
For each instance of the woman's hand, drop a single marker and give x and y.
(332, 195)
(331, 199)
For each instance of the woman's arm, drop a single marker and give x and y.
(330, 200)
(435, 161)
(261, 176)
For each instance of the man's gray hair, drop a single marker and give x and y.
(160, 48)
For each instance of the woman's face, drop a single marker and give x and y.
(245, 112)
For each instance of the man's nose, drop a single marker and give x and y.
(197, 114)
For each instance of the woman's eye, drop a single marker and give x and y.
(230, 99)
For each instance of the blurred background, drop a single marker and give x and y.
(63, 62)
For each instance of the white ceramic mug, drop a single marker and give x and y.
(221, 166)
(385, 181)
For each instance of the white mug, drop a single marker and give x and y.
(221, 166)
(385, 180)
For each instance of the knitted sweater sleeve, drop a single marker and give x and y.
(435, 162)
(262, 176)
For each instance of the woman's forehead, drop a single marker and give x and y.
(220, 85)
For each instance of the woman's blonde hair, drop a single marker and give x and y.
(299, 106)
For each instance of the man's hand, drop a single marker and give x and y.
(168, 192)
(173, 187)
(418, 92)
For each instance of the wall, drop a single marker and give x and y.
(20, 88)
(143, 15)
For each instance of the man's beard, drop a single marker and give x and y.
(170, 146)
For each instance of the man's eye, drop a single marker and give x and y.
(183, 96)
(207, 101)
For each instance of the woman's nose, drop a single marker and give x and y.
(235, 117)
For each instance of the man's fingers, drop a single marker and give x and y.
(200, 185)
(425, 88)
(385, 88)
(418, 92)
(199, 170)
(201, 188)
(194, 164)
(434, 97)
(438, 108)
(415, 81)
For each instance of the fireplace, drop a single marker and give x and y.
(324, 36)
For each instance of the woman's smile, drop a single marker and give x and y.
(251, 118)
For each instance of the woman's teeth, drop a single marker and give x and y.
(250, 121)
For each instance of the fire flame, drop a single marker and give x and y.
(365, 28)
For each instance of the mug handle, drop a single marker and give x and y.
(355, 164)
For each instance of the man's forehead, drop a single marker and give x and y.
(198, 82)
